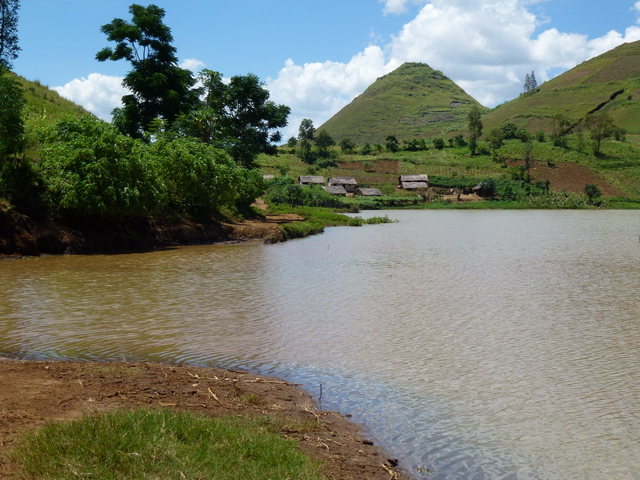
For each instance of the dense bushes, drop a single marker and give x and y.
(86, 168)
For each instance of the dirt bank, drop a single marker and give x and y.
(21, 235)
(34, 392)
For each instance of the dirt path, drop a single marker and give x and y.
(33, 392)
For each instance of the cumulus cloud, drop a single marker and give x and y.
(317, 90)
(98, 93)
(398, 6)
(192, 64)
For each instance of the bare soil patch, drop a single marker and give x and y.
(35, 392)
(572, 178)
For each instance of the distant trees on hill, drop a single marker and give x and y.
(530, 83)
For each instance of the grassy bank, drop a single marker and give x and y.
(142, 444)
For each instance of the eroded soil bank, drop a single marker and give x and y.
(23, 236)
(33, 392)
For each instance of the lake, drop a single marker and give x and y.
(470, 344)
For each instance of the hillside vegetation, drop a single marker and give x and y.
(609, 83)
(413, 101)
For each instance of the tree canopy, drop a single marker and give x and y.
(159, 87)
(8, 32)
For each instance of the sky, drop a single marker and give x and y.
(316, 56)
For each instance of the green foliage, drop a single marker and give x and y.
(474, 127)
(347, 146)
(593, 192)
(600, 126)
(495, 137)
(560, 128)
(323, 142)
(284, 191)
(306, 131)
(236, 116)
(438, 143)
(143, 444)
(8, 32)
(89, 169)
(12, 105)
(418, 101)
(306, 135)
(249, 120)
(392, 145)
(160, 88)
(199, 179)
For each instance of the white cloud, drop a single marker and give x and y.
(318, 90)
(98, 93)
(397, 7)
(192, 64)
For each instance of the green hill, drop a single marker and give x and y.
(413, 101)
(46, 104)
(609, 83)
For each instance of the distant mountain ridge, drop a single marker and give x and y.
(416, 101)
(413, 101)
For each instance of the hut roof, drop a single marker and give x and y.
(342, 181)
(268, 177)
(414, 185)
(368, 192)
(335, 190)
(314, 179)
(414, 178)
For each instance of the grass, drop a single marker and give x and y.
(411, 102)
(144, 444)
(618, 165)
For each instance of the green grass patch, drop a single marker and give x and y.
(144, 444)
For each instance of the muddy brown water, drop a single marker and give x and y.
(476, 345)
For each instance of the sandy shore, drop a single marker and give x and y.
(34, 392)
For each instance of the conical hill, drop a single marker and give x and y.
(413, 101)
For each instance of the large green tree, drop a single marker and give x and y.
(600, 126)
(159, 87)
(237, 116)
(306, 135)
(8, 32)
(250, 120)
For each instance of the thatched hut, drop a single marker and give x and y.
(348, 183)
(336, 190)
(368, 192)
(414, 182)
(311, 180)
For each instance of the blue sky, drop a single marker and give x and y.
(316, 56)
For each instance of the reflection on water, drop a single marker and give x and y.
(472, 344)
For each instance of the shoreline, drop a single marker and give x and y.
(38, 391)
(22, 236)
